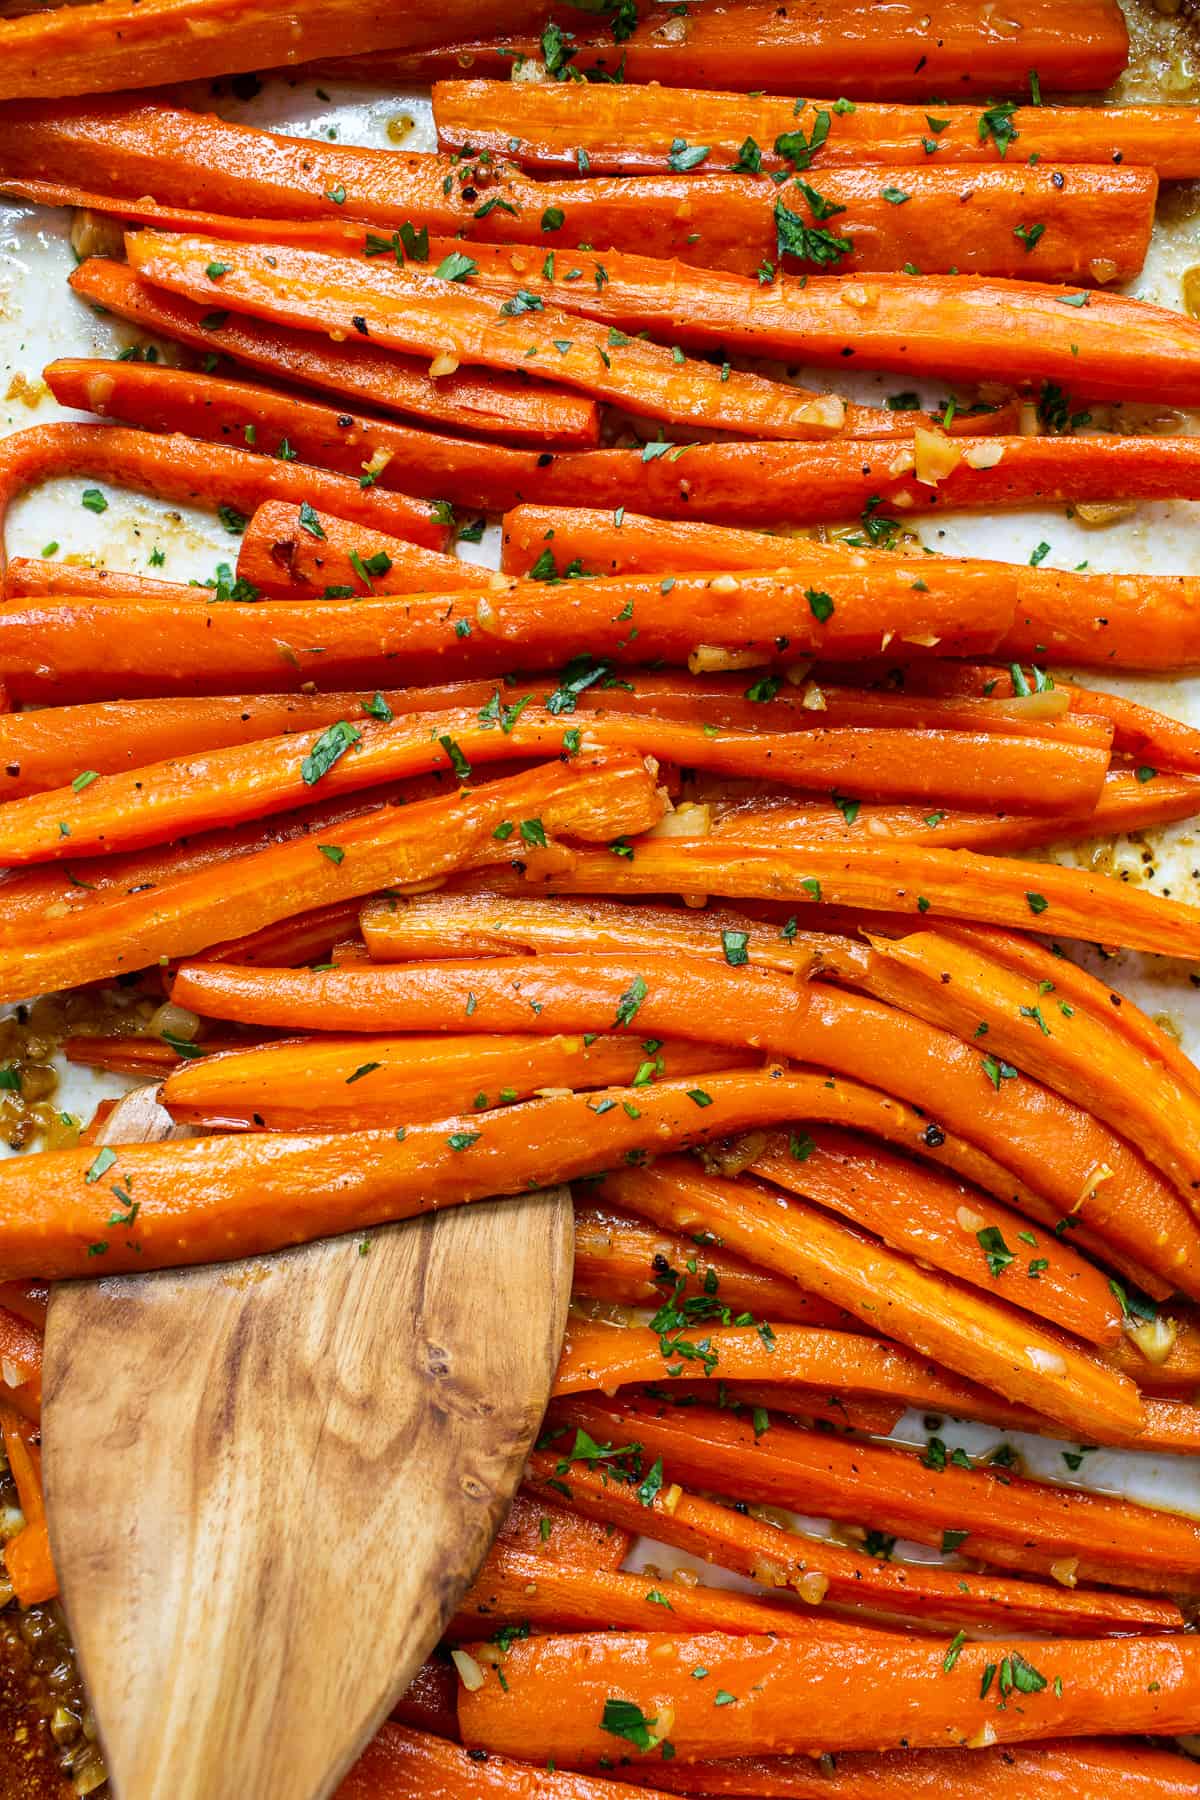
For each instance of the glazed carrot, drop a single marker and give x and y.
(317, 936)
(281, 555)
(946, 1223)
(348, 1084)
(29, 1300)
(629, 130)
(148, 1057)
(96, 48)
(428, 1702)
(484, 402)
(1069, 1048)
(795, 1697)
(27, 575)
(27, 1555)
(401, 1764)
(608, 796)
(967, 327)
(21, 1363)
(821, 1569)
(566, 1536)
(1068, 1769)
(179, 469)
(192, 159)
(1025, 1525)
(215, 1198)
(422, 315)
(621, 1259)
(515, 1589)
(1054, 1149)
(157, 802)
(855, 51)
(735, 484)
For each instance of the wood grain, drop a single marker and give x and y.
(268, 1483)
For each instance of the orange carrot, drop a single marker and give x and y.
(28, 575)
(281, 554)
(215, 1198)
(821, 1569)
(565, 1536)
(27, 1555)
(148, 1057)
(29, 1300)
(607, 796)
(1020, 1524)
(795, 1697)
(855, 51)
(21, 1363)
(348, 1084)
(1053, 1148)
(319, 935)
(484, 402)
(629, 130)
(402, 1764)
(427, 1703)
(422, 315)
(735, 484)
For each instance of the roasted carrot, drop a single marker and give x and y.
(145, 1056)
(629, 130)
(137, 146)
(28, 575)
(795, 1697)
(282, 555)
(319, 935)
(21, 1363)
(735, 484)
(100, 47)
(855, 51)
(820, 1569)
(160, 801)
(403, 1764)
(1029, 1526)
(1054, 1149)
(565, 1535)
(215, 1198)
(946, 1223)
(1069, 1048)
(608, 796)
(484, 402)
(348, 1084)
(27, 1555)
(417, 313)
(427, 1703)
(29, 1300)
(180, 469)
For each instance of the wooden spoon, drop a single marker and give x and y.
(269, 1482)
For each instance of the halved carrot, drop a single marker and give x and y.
(1029, 1526)
(404, 1764)
(1054, 1149)
(427, 1703)
(959, 986)
(422, 315)
(287, 554)
(156, 802)
(857, 51)
(348, 1084)
(608, 796)
(792, 1696)
(947, 1224)
(819, 1569)
(485, 402)
(29, 1300)
(736, 484)
(629, 130)
(215, 1198)
(21, 1362)
(27, 1555)
(145, 1056)
(319, 935)
(28, 575)
(533, 1528)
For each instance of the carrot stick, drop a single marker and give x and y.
(157, 802)
(622, 1260)
(27, 1555)
(515, 1589)
(945, 1223)
(198, 160)
(735, 484)
(967, 327)
(542, 1529)
(856, 51)
(1056, 1151)
(215, 1198)
(1069, 1048)
(28, 575)
(349, 1084)
(317, 936)
(401, 1764)
(484, 402)
(179, 469)
(424, 316)
(629, 130)
(820, 1569)
(282, 556)
(99, 47)
(1026, 1525)
(148, 1057)
(418, 842)
(1081, 1768)
(795, 1697)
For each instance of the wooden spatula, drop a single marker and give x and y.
(269, 1482)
